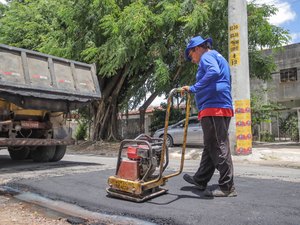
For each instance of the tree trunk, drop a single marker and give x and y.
(105, 120)
(142, 120)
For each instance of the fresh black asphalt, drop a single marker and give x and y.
(259, 201)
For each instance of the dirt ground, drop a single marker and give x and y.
(101, 148)
(14, 212)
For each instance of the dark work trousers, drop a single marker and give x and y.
(216, 152)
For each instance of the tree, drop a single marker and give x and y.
(145, 42)
(137, 45)
(289, 126)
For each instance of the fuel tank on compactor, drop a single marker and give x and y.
(33, 80)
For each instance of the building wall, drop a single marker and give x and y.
(287, 93)
(283, 91)
(130, 128)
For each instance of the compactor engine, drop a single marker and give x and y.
(141, 161)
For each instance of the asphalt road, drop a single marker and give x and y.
(266, 195)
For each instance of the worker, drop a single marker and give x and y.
(212, 91)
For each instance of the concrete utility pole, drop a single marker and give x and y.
(240, 128)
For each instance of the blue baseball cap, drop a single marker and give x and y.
(195, 41)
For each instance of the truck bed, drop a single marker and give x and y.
(35, 80)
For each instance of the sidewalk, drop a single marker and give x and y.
(283, 154)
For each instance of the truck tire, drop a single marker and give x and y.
(60, 151)
(43, 153)
(18, 154)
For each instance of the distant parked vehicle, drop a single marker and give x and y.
(175, 133)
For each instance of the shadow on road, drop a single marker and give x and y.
(199, 195)
(11, 166)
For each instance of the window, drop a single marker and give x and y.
(288, 75)
(193, 121)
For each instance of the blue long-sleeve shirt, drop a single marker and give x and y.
(213, 83)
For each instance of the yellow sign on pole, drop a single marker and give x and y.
(243, 127)
(234, 45)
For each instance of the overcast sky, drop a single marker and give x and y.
(287, 16)
(285, 13)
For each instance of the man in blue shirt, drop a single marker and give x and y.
(212, 91)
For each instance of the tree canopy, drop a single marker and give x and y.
(137, 45)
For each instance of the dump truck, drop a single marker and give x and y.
(37, 92)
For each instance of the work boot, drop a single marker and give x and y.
(191, 180)
(220, 193)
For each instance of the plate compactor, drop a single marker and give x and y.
(142, 162)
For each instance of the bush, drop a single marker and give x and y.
(81, 131)
(289, 126)
(267, 136)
